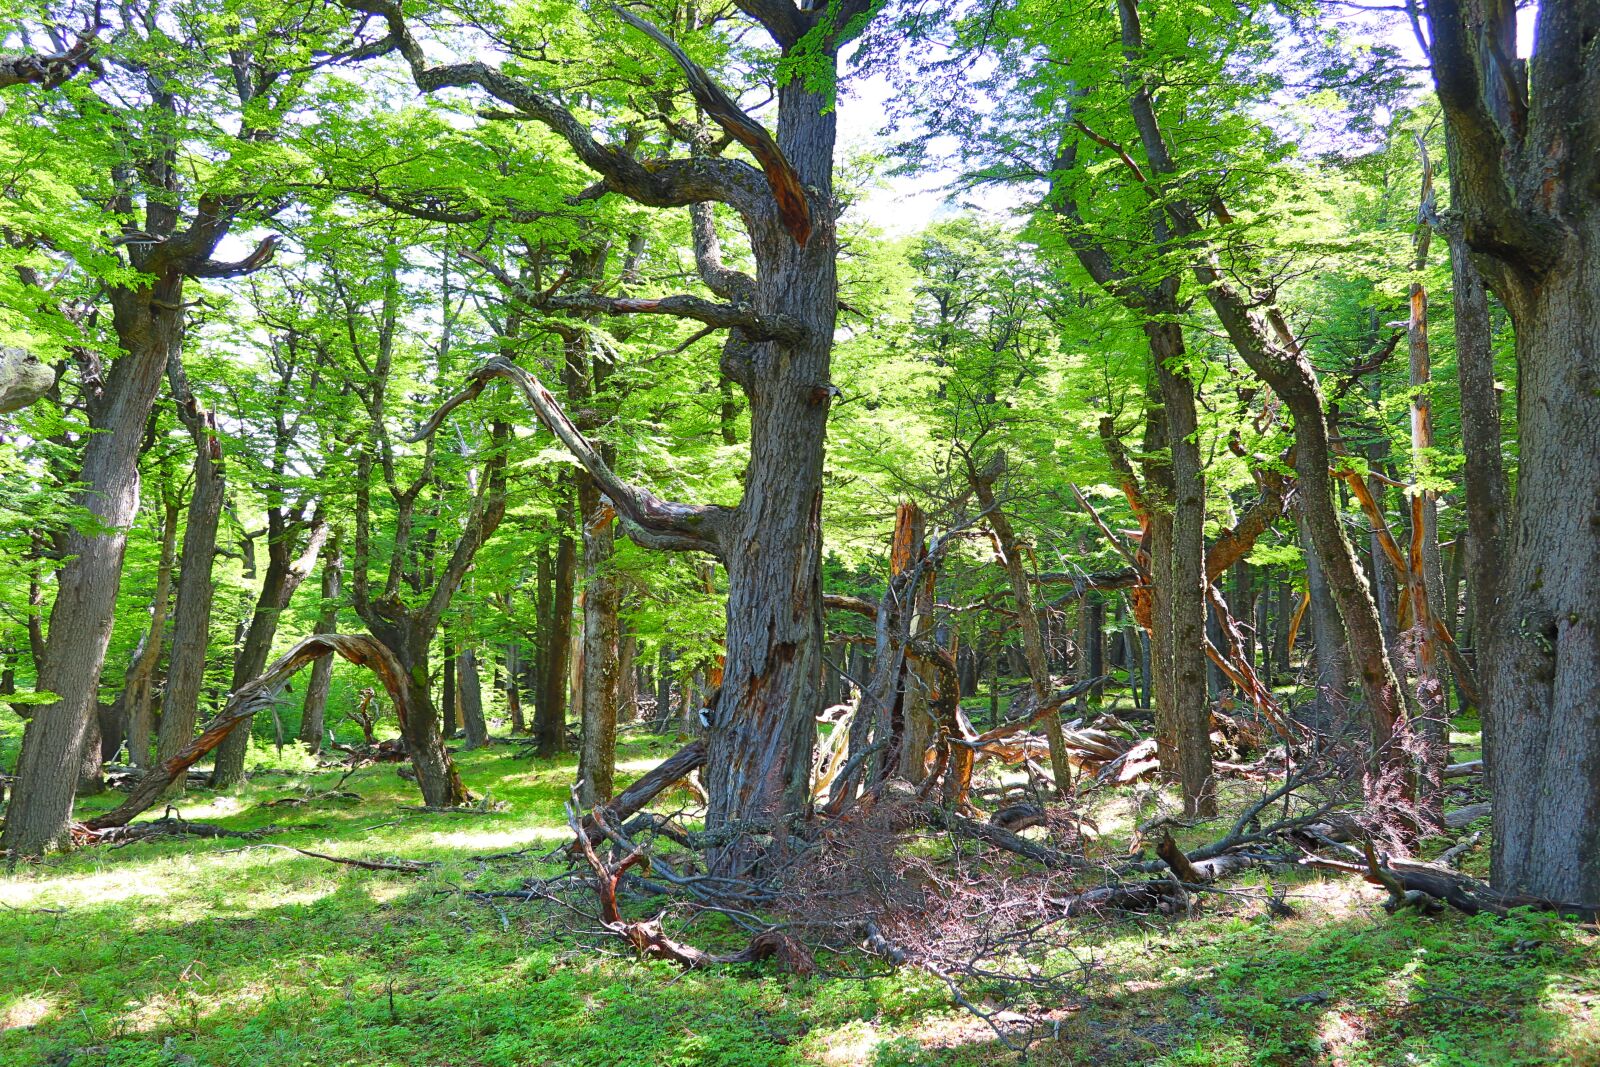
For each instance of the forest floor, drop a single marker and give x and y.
(231, 953)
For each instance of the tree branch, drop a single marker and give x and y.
(649, 520)
(793, 207)
(668, 183)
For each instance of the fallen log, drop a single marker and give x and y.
(1464, 770)
(989, 834)
(1411, 883)
(688, 758)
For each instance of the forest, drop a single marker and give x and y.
(799, 532)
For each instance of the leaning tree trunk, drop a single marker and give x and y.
(149, 323)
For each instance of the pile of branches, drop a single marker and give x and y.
(900, 879)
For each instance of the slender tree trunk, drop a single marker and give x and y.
(1330, 652)
(1192, 713)
(1483, 472)
(1027, 616)
(191, 625)
(469, 697)
(282, 579)
(448, 702)
(601, 655)
(511, 679)
(139, 688)
(313, 717)
(553, 707)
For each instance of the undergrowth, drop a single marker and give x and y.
(239, 953)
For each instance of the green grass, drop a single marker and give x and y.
(231, 954)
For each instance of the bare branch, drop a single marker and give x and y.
(668, 183)
(649, 520)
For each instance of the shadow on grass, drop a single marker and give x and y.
(217, 953)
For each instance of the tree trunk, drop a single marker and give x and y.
(409, 640)
(448, 719)
(511, 679)
(601, 659)
(149, 325)
(1330, 652)
(1192, 712)
(1542, 655)
(1027, 616)
(552, 724)
(469, 697)
(1483, 472)
(283, 576)
(313, 716)
(191, 617)
(138, 691)
(761, 742)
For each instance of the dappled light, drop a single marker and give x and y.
(789, 533)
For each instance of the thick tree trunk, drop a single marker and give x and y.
(552, 722)
(511, 681)
(469, 697)
(1541, 660)
(86, 587)
(761, 741)
(191, 617)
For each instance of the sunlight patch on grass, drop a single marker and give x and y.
(27, 1011)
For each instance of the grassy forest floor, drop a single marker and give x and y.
(234, 953)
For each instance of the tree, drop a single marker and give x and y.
(781, 325)
(1525, 157)
(157, 221)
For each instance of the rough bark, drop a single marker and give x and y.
(1525, 152)
(469, 697)
(191, 616)
(552, 723)
(601, 655)
(80, 619)
(1188, 581)
(138, 690)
